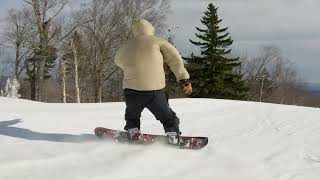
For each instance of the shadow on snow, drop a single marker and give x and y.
(6, 129)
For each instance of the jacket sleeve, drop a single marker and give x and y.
(173, 59)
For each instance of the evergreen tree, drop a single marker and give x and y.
(213, 73)
(31, 65)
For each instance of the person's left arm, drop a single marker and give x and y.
(172, 57)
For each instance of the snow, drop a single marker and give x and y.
(11, 88)
(247, 141)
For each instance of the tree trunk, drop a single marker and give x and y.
(17, 62)
(63, 85)
(33, 89)
(40, 71)
(43, 30)
(76, 76)
(98, 91)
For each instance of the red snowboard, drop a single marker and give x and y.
(185, 142)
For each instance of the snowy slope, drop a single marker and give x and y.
(248, 141)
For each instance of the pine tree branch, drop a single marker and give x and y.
(198, 43)
(222, 30)
(201, 30)
(223, 36)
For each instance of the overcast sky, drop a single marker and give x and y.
(291, 25)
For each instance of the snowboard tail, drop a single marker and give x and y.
(184, 142)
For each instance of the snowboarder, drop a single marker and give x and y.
(141, 59)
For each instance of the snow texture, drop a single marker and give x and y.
(247, 141)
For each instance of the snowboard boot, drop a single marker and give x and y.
(134, 134)
(173, 137)
(172, 130)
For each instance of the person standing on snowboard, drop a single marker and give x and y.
(141, 60)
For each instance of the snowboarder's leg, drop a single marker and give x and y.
(135, 101)
(160, 108)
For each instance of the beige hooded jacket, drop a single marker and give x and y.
(142, 58)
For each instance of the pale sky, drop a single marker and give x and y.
(291, 25)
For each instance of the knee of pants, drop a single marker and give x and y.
(174, 121)
(167, 116)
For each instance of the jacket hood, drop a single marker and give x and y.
(142, 27)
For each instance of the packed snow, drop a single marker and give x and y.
(247, 141)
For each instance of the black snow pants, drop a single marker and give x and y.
(157, 102)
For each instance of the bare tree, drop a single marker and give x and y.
(271, 77)
(45, 11)
(70, 47)
(74, 57)
(103, 25)
(100, 34)
(17, 35)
